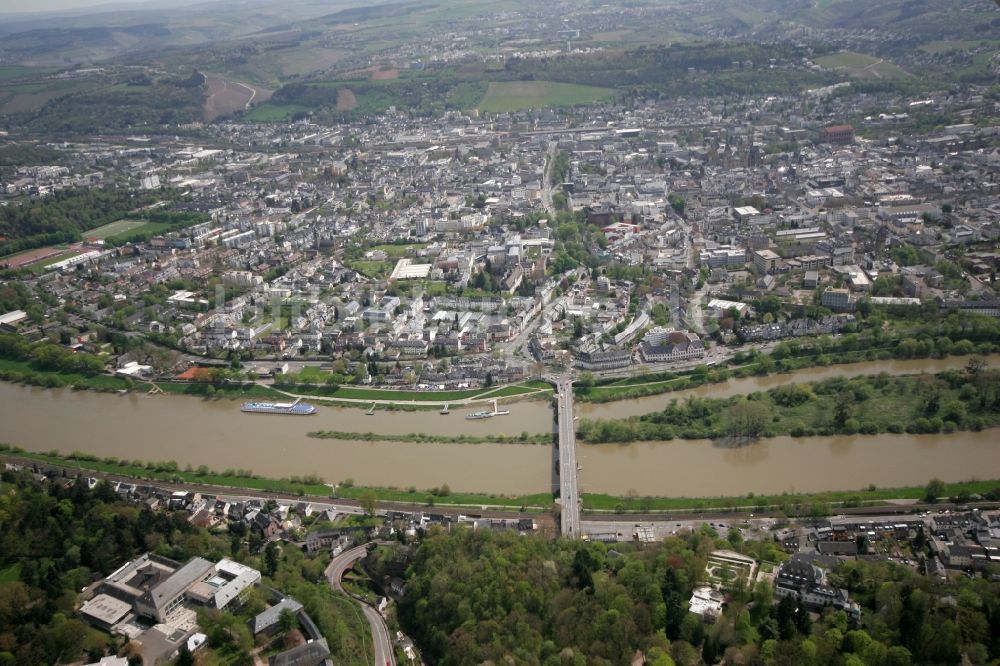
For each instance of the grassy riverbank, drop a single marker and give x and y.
(26, 372)
(243, 481)
(789, 503)
(424, 438)
(405, 396)
(947, 402)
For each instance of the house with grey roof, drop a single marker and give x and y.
(312, 653)
(267, 621)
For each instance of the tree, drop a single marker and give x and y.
(270, 559)
(287, 621)
(676, 202)
(746, 419)
(184, 657)
(934, 490)
(675, 595)
(369, 502)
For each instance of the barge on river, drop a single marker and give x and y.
(294, 408)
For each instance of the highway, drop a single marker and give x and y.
(381, 642)
(569, 494)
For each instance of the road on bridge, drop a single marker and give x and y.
(569, 495)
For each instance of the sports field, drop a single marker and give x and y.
(114, 228)
(504, 96)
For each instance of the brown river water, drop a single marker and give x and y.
(194, 431)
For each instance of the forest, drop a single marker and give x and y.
(128, 104)
(56, 538)
(64, 215)
(482, 597)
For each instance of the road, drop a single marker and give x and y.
(381, 642)
(569, 494)
(253, 93)
(550, 157)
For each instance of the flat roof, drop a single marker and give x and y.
(106, 609)
(13, 317)
(407, 270)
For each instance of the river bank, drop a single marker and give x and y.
(787, 503)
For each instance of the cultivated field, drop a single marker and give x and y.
(506, 96)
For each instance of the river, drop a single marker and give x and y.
(699, 468)
(194, 431)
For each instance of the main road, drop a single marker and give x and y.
(569, 494)
(382, 645)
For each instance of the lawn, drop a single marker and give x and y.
(115, 228)
(225, 391)
(39, 377)
(504, 96)
(373, 269)
(41, 266)
(786, 501)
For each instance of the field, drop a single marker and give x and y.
(373, 269)
(226, 97)
(29, 257)
(860, 65)
(954, 45)
(34, 94)
(346, 100)
(10, 72)
(507, 96)
(115, 228)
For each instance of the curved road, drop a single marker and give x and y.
(384, 655)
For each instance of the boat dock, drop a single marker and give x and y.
(371, 410)
(444, 410)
